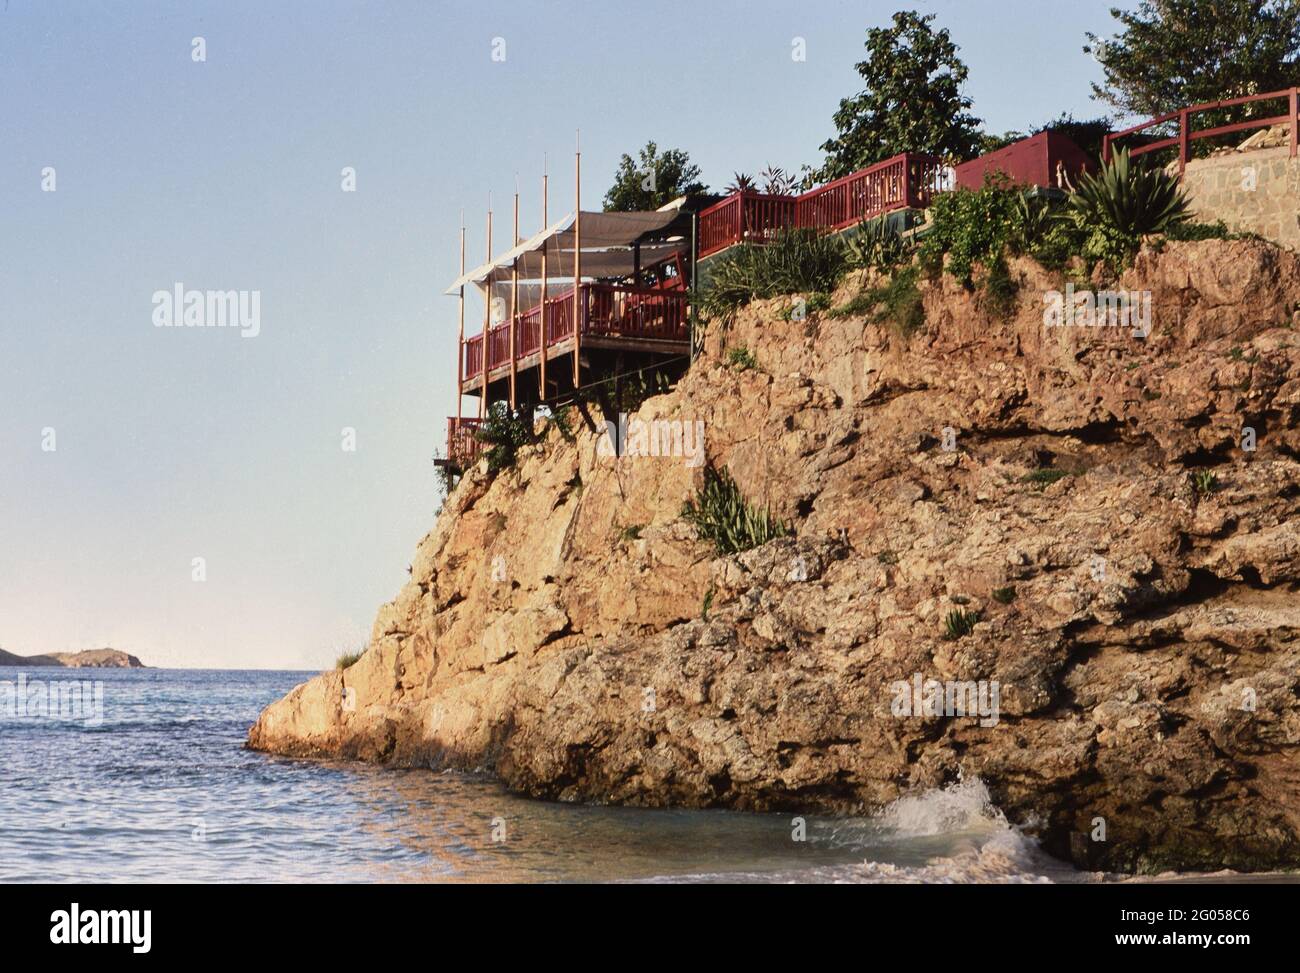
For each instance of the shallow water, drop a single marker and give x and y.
(163, 790)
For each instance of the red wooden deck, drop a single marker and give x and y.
(607, 311)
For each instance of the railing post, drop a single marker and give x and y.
(1295, 108)
(1105, 148)
(1184, 141)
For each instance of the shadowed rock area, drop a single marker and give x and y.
(1143, 635)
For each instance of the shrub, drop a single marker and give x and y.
(796, 261)
(348, 659)
(1004, 596)
(876, 245)
(503, 432)
(1218, 230)
(742, 359)
(1042, 479)
(446, 478)
(998, 288)
(959, 622)
(972, 226)
(817, 301)
(721, 515)
(630, 533)
(1031, 221)
(897, 302)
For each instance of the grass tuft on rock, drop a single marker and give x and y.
(721, 514)
(1042, 479)
(348, 659)
(959, 622)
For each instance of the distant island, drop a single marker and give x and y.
(86, 659)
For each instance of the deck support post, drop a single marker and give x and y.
(1184, 141)
(460, 344)
(577, 262)
(514, 313)
(541, 375)
(1295, 107)
(695, 256)
(487, 321)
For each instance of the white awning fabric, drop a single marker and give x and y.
(607, 251)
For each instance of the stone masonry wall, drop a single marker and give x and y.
(1256, 191)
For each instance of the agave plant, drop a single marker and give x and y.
(777, 182)
(1130, 200)
(1031, 221)
(877, 245)
(740, 183)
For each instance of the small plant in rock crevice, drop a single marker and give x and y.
(742, 359)
(1204, 482)
(959, 623)
(721, 514)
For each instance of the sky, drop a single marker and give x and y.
(186, 494)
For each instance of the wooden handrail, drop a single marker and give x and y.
(1186, 135)
(606, 309)
(903, 180)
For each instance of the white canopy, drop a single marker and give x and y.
(607, 249)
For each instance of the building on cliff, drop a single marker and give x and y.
(595, 296)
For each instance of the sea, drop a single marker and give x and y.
(154, 784)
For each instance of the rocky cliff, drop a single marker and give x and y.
(1081, 494)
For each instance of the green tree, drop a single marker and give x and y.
(1175, 53)
(652, 180)
(912, 101)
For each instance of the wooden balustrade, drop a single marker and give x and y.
(1185, 135)
(608, 310)
(906, 180)
(744, 217)
(749, 217)
(463, 445)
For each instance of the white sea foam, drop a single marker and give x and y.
(948, 835)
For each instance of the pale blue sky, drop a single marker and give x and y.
(179, 443)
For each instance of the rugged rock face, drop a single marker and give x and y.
(564, 627)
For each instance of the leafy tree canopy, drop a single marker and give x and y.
(911, 102)
(1175, 53)
(652, 180)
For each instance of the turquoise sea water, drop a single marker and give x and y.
(158, 787)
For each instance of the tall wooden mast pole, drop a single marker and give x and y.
(577, 260)
(514, 306)
(487, 319)
(541, 380)
(460, 354)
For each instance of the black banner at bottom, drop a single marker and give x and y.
(140, 923)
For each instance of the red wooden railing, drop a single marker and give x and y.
(905, 180)
(634, 312)
(611, 310)
(462, 445)
(1186, 135)
(746, 215)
